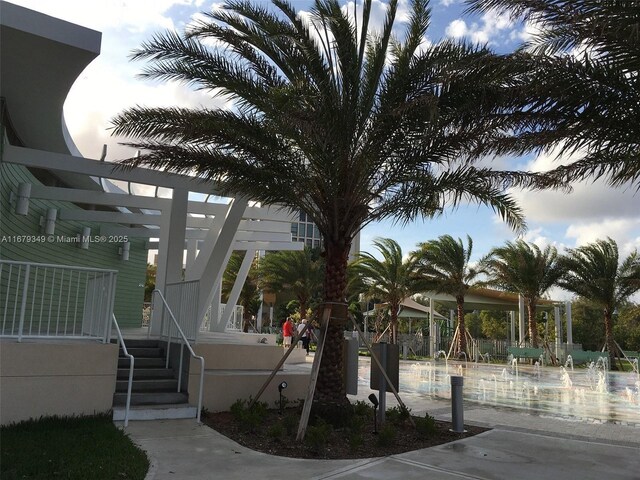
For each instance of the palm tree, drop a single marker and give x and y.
(391, 279)
(523, 268)
(594, 272)
(443, 265)
(579, 76)
(329, 117)
(299, 272)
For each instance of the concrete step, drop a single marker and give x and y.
(145, 373)
(150, 398)
(146, 352)
(139, 342)
(156, 412)
(123, 362)
(148, 385)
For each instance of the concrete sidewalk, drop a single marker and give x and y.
(520, 446)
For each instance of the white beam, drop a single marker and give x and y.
(236, 289)
(521, 321)
(274, 246)
(68, 163)
(216, 262)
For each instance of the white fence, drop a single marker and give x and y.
(43, 301)
(182, 298)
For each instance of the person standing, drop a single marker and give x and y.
(306, 336)
(287, 332)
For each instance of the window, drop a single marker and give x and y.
(294, 229)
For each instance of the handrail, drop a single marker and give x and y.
(184, 342)
(61, 267)
(131, 363)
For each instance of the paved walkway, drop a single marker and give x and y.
(520, 447)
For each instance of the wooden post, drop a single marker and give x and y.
(275, 370)
(315, 368)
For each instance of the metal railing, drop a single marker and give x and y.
(184, 342)
(183, 298)
(40, 300)
(131, 366)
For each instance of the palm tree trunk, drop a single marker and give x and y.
(394, 324)
(462, 329)
(533, 325)
(330, 391)
(609, 340)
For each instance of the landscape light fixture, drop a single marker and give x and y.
(373, 399)
(20, 200)
(48, 222)
(281, 387)
(123, 251)
(84, 238)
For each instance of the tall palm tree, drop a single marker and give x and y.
(443, 266)
(332, 118)
(594, 272)
(299, 272)
(523, 268)
(579, 76)
(391, 279)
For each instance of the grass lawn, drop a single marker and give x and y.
(69, 448)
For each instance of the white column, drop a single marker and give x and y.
(171, 247)
(569, 326)
(432, 330)
(259, 315)
(216, 302)
(558, 322)
(512, 330)
(237, 289)
(521, 323)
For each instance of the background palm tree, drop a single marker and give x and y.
(523, 268)
(331, 118)
(594, 272)
(390, 280)
(579, 76)
(443, 266)
(299, 272)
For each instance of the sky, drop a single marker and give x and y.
(109, 85)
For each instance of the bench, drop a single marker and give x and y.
(585, 356)
(533, 353)
(631, 354)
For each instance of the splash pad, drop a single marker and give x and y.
(590, 393)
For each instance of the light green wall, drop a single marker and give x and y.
(131, 274)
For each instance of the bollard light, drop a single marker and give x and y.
(281, 387)
(374, 400)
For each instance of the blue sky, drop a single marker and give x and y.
(109, 85)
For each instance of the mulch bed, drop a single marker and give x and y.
(271, 437)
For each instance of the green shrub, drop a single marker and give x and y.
(249, 418)
(386, 436)
(290, 423)
(317, 436)
(398, 415)
(362, 409)
(276, 431)
(355, 441)
(426, 426)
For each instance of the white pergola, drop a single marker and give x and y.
(208, 232)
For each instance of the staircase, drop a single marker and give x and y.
(154, 392)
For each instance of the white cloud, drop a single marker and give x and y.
(457, 29)
(492, 25)
(447, 3)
